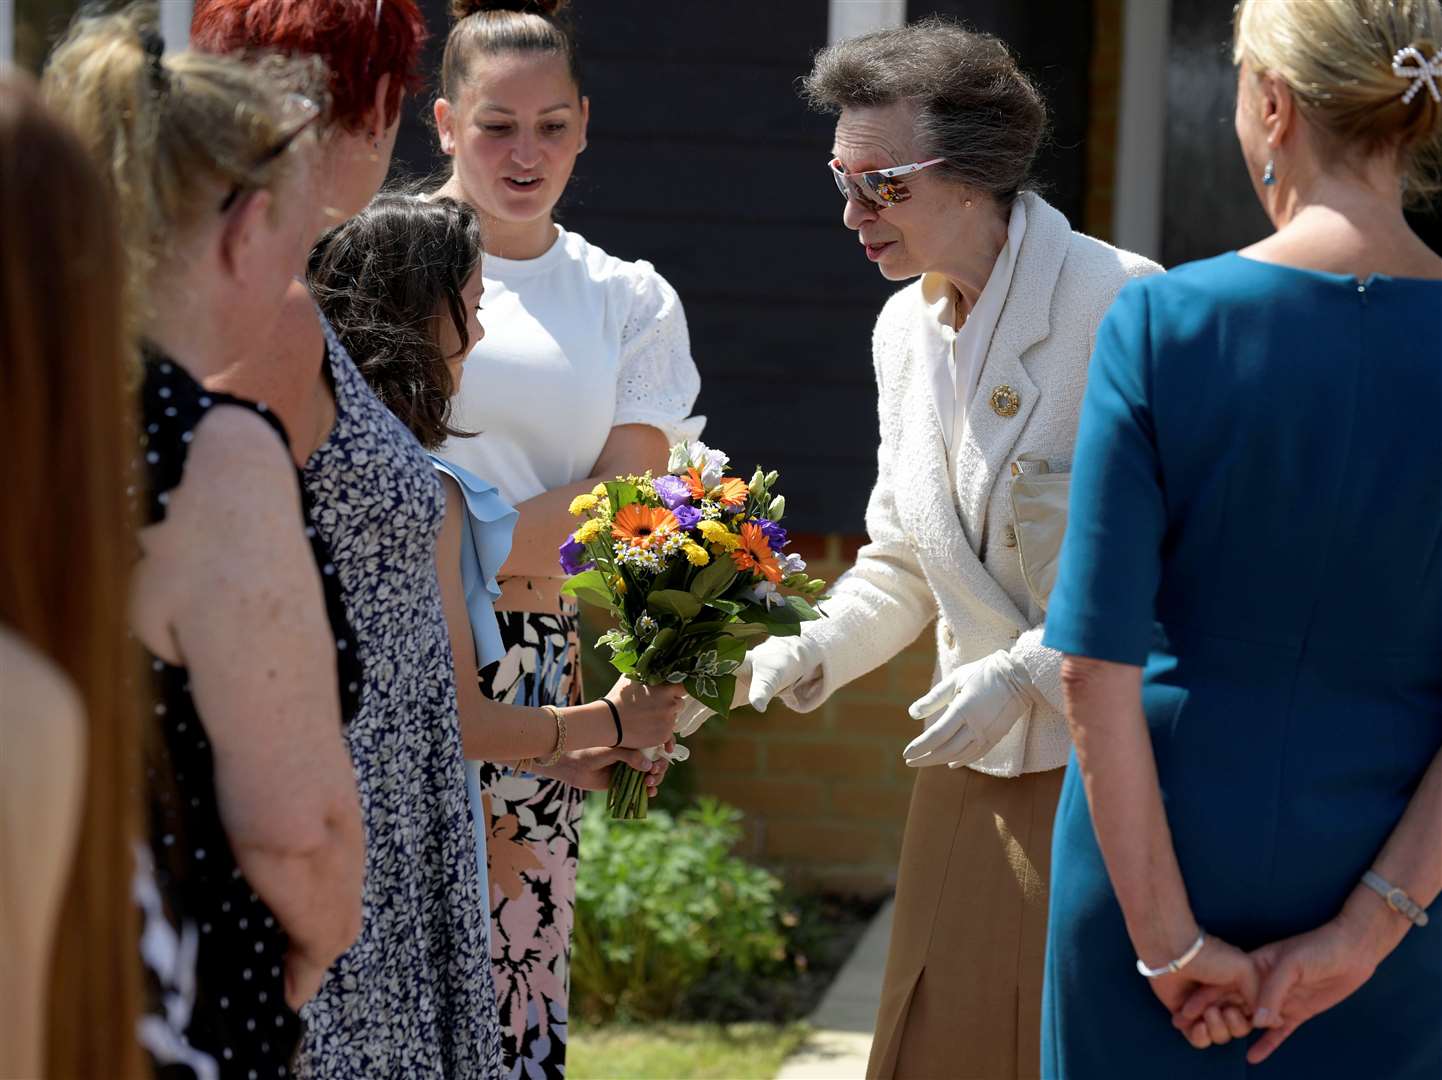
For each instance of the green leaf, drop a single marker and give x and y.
(730, 607)
(745, 631)
(621, 493)
(713, 580)
(714, 693)
(781, 621)
(804, 611)
(590, 586)
(674, 602)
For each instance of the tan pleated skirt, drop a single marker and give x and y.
(961, 999)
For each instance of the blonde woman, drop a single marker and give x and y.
(255, 826)
(1251, 603)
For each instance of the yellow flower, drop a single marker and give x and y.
(696, 554)
(582, 504)
(713, 531)
(599, 491)
(619, 584)
(589, 531)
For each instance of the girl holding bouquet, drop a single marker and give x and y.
(585, 374)
(400, 284)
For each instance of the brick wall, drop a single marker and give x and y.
(824, 793)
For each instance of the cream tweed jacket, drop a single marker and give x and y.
(946, 552)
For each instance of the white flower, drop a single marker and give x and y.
(763, 592)
(792, 564)
(711, 464)
(680, 459)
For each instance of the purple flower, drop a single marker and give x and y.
(687, 516)
(775, 534)
(571, 555)
(672, 491)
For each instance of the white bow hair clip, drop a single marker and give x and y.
(1426, 72)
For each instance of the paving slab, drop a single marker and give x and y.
(840, 1041)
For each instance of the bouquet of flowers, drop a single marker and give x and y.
(692, 566)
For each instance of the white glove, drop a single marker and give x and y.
(777, 665)
(694, 714)
(772, 668)
(979, 703)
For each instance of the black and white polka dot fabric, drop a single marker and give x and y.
(232, 1011)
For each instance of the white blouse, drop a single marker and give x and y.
(577, 342)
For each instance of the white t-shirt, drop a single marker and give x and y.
(577, 342)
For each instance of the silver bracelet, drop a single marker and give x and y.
(1396, 899)
(1177, 964)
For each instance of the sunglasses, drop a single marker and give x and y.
(294, 104)
(878, 188)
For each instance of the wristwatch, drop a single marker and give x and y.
(1396, 899)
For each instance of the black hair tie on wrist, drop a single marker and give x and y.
(615, 719)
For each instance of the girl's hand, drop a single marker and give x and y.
(648, 713)
(590, 770)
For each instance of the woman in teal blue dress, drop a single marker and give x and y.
(1250, 600)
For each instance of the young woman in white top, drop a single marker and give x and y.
(585, 373)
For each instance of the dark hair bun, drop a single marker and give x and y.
(547, 8)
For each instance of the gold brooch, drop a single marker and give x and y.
(1005, 401)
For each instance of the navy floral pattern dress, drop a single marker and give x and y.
(414, 996)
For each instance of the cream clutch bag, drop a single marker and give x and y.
(1039, 507)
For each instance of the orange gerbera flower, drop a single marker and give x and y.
(755, 554)
(730, 492)
(693, 481)
(643, 525)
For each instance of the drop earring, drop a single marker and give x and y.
(1269, 174)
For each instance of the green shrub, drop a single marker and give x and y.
(660, 903)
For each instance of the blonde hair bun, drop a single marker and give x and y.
(1337, 57)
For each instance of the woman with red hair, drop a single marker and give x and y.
(414, 996)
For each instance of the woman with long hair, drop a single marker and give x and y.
(255, 828)
(585, 373)
(69, 815)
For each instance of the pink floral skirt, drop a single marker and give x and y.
(533, 828)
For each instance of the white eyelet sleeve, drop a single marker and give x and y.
(657, 381)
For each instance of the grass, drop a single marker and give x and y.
(673, 1051)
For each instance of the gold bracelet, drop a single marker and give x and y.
(524, 765)
(560, 749)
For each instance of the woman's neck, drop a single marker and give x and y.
(1348, 223)
(506, 239)
(192, 340)
(971, 266)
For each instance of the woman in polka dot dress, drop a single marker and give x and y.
(256, 831)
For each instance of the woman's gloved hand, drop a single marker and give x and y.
(978, 704)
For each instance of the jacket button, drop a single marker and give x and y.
(947, 636)
(1009, 536)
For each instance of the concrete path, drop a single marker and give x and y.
(842, 1024)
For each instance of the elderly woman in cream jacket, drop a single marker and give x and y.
(980, 362)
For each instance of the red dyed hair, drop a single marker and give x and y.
(356, 48)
